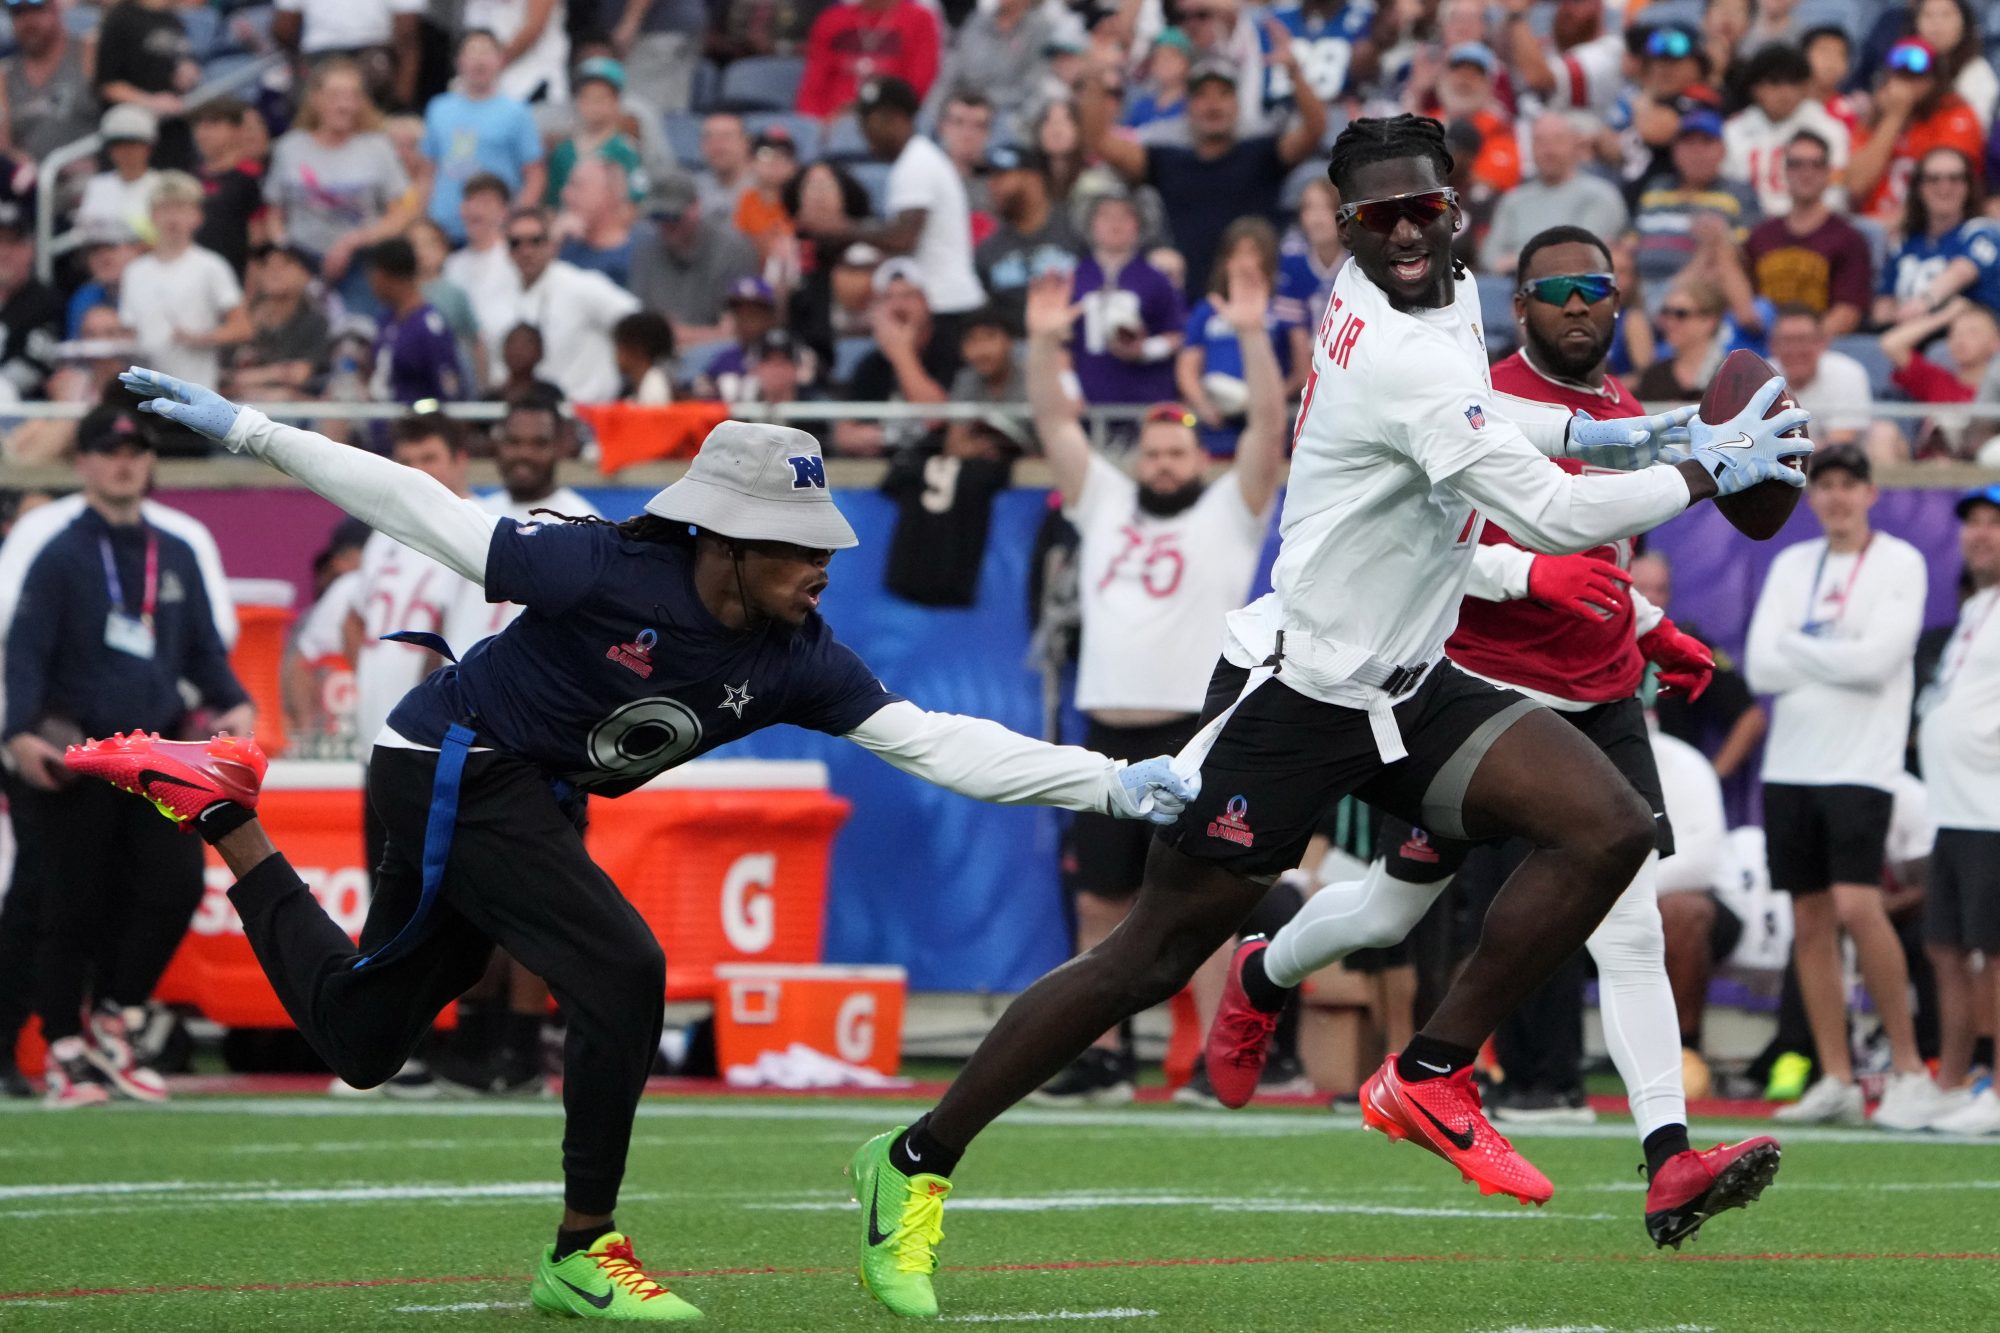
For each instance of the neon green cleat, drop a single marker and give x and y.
(605, 1282)
(1789, 1075)
(903, 1221)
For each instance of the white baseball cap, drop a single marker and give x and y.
(758, 483)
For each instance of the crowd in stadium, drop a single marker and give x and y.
(765, 202)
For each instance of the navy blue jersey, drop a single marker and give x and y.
(616, 672)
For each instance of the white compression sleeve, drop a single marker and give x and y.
(409, 505)
(1548, 510)
(984, 760)
(1641, 1026)
(1372, 912)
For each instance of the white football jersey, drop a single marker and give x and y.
(1377, 547)
(471, 617)
(399, 590)
(1154, 590)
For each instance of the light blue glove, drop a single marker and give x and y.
(1630, 443)
(203, 411)
(1747, 449)
(1152, 790)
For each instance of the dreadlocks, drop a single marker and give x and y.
(1379, 139)
(639, 528)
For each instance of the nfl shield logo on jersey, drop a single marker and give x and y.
(1477, 416)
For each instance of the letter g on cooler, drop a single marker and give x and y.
(749, 914)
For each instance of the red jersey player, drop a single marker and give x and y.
(1568, 632)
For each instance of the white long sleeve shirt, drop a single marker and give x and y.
(1960, 735)
(1833, 637)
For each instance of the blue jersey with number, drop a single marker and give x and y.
(1920, 260)
(1324, 45)
(616, 672)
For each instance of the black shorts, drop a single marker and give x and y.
(1106, 857)
(1618, 729)
(1284, 758)
(1962, 898)
(1817, 837)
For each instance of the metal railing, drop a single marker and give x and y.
(49, 245)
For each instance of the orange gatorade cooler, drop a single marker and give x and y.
(853, 1014)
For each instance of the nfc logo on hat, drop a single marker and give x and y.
(808, 470)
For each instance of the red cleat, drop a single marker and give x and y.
(1694, 1186)
(1443, 1115)
(1240, 1038)
(182, 778)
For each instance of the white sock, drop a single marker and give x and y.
(1372, 912)
(1641, 1027)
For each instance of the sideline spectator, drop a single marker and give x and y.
(1209, 369)
(817, 318)
(1646, 121)
(122, 196)
(725, 173)
(572, 310)
(965, 132)
(416, 357)
(483, 270)
(144, 59)
(761, 214)
(379, 36)
(1056, 130)
(1915, 113)
(660, 42)
(1033, 237)
(182, 302)
(533, 36)
(1757, 138)
(94, 647)
(1950, 28)
(742, 28)
(1949, 247)
(1132, 322)
(1332, 41)
(1832, 637)
(1831, 385)
(107, 249)
(597, 215)
(643, 344)
(1222, 176)
(1001, 54)
(1830, 53)
(1468, 97)
(1585, 69)
(1812, 256)
(929, 215)
(477, 129)
(991, 372)
(1160, 101)
(1972, 342)
(521, 357)
(48, 98)
(335, 186)
(1691, 324)
(286, 354)
(600, 127)
(1312, 254)
(31, 314)
(851, 44)
(231, 177)
(427, 239)
(1671, 207)
(684, 264)
(913, 362)
(752, 310)
(1223, 39)
(1961, 761)
(1560, 193)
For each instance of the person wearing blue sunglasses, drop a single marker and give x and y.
(1916, 112)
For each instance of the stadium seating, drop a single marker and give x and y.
(761, 83)
(803, 129)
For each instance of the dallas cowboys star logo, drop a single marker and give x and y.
(735, 697)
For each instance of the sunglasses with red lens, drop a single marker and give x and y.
(1381, 215)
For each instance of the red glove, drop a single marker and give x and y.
(1684, 661)
(1579, 584)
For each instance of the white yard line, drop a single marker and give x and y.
(1116, 1312)
(461, 1307)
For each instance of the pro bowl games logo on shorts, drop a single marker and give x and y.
(1233, 824)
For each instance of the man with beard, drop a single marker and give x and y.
(1567, 632)
(1162, 556)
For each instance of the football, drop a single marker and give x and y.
(1759, 512)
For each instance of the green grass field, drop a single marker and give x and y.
(307, 1212)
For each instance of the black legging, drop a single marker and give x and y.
(113, 885)
(518, 877)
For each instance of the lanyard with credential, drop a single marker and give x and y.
(149, 596)
(1812, 594)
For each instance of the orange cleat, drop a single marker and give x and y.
(1443, 1115)
(182, 778)
(1692, 1187)
(1239, 1040)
